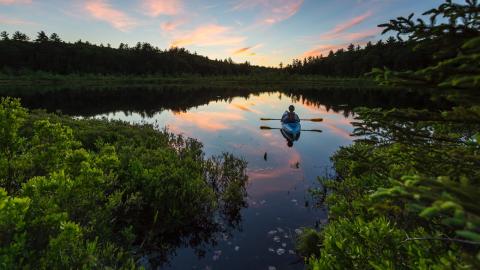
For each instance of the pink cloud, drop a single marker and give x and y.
(283, 11)
(171, 25)
(322, 50)
(351, 37)
(208, 35)
(351, 23)
(13, 21)
(162, 7)
(103, 11)
(339, 33)
(367, 34)
(274, 11)
(325, 49)
(12, 2)
(248, 51)
(242, 50)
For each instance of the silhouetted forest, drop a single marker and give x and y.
(356, 61)
(18, 53)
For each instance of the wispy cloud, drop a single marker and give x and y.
(283, 11)
(208, 35)
(362, 35)
(342, 27)
(247, 51)
(273, 11)
(162, 7)
(322, 50)
(325, 49)
(13, 21)
(242, 50)
(340, 35)
(103, 11)
(12, 2)
(171, 25)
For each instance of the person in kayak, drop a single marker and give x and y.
(290, 116)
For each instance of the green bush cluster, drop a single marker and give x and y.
(406, 194)
(95, 194)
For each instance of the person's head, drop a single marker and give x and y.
(289, 143)
(291, 108)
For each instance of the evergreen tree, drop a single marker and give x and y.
(55, 38)
(41, 37)
(18, 36)
(4, 36)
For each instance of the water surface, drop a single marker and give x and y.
(279, 203)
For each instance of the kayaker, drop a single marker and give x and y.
(290, 116)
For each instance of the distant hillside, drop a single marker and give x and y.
(18, 53)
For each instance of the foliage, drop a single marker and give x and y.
(96, 194)
(377, 244)
(308, 242)
(425, 188)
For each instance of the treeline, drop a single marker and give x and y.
(356, 61)
(20, 54)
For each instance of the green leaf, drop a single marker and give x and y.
(469, 235)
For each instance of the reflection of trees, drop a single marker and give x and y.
(148, 101)
(143, 100)
(345, 100)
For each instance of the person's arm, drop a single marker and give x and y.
(297, 119)
(284, 116)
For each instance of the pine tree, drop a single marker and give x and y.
(4, 36)
(41, 37)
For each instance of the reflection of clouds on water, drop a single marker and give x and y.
(210, 121)
(341, 130)
(280, 177)
(245, 108)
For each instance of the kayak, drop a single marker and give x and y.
(291, 128)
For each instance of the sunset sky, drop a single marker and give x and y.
(263, 32)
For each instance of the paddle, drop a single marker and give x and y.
(312, 119)
(314, 130)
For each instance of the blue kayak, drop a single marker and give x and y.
(291, 128)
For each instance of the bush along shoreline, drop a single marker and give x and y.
(96, 194)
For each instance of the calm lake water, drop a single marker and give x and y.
(279, 203)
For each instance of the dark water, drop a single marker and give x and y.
(228, 120)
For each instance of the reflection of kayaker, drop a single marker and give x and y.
(291, 126)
